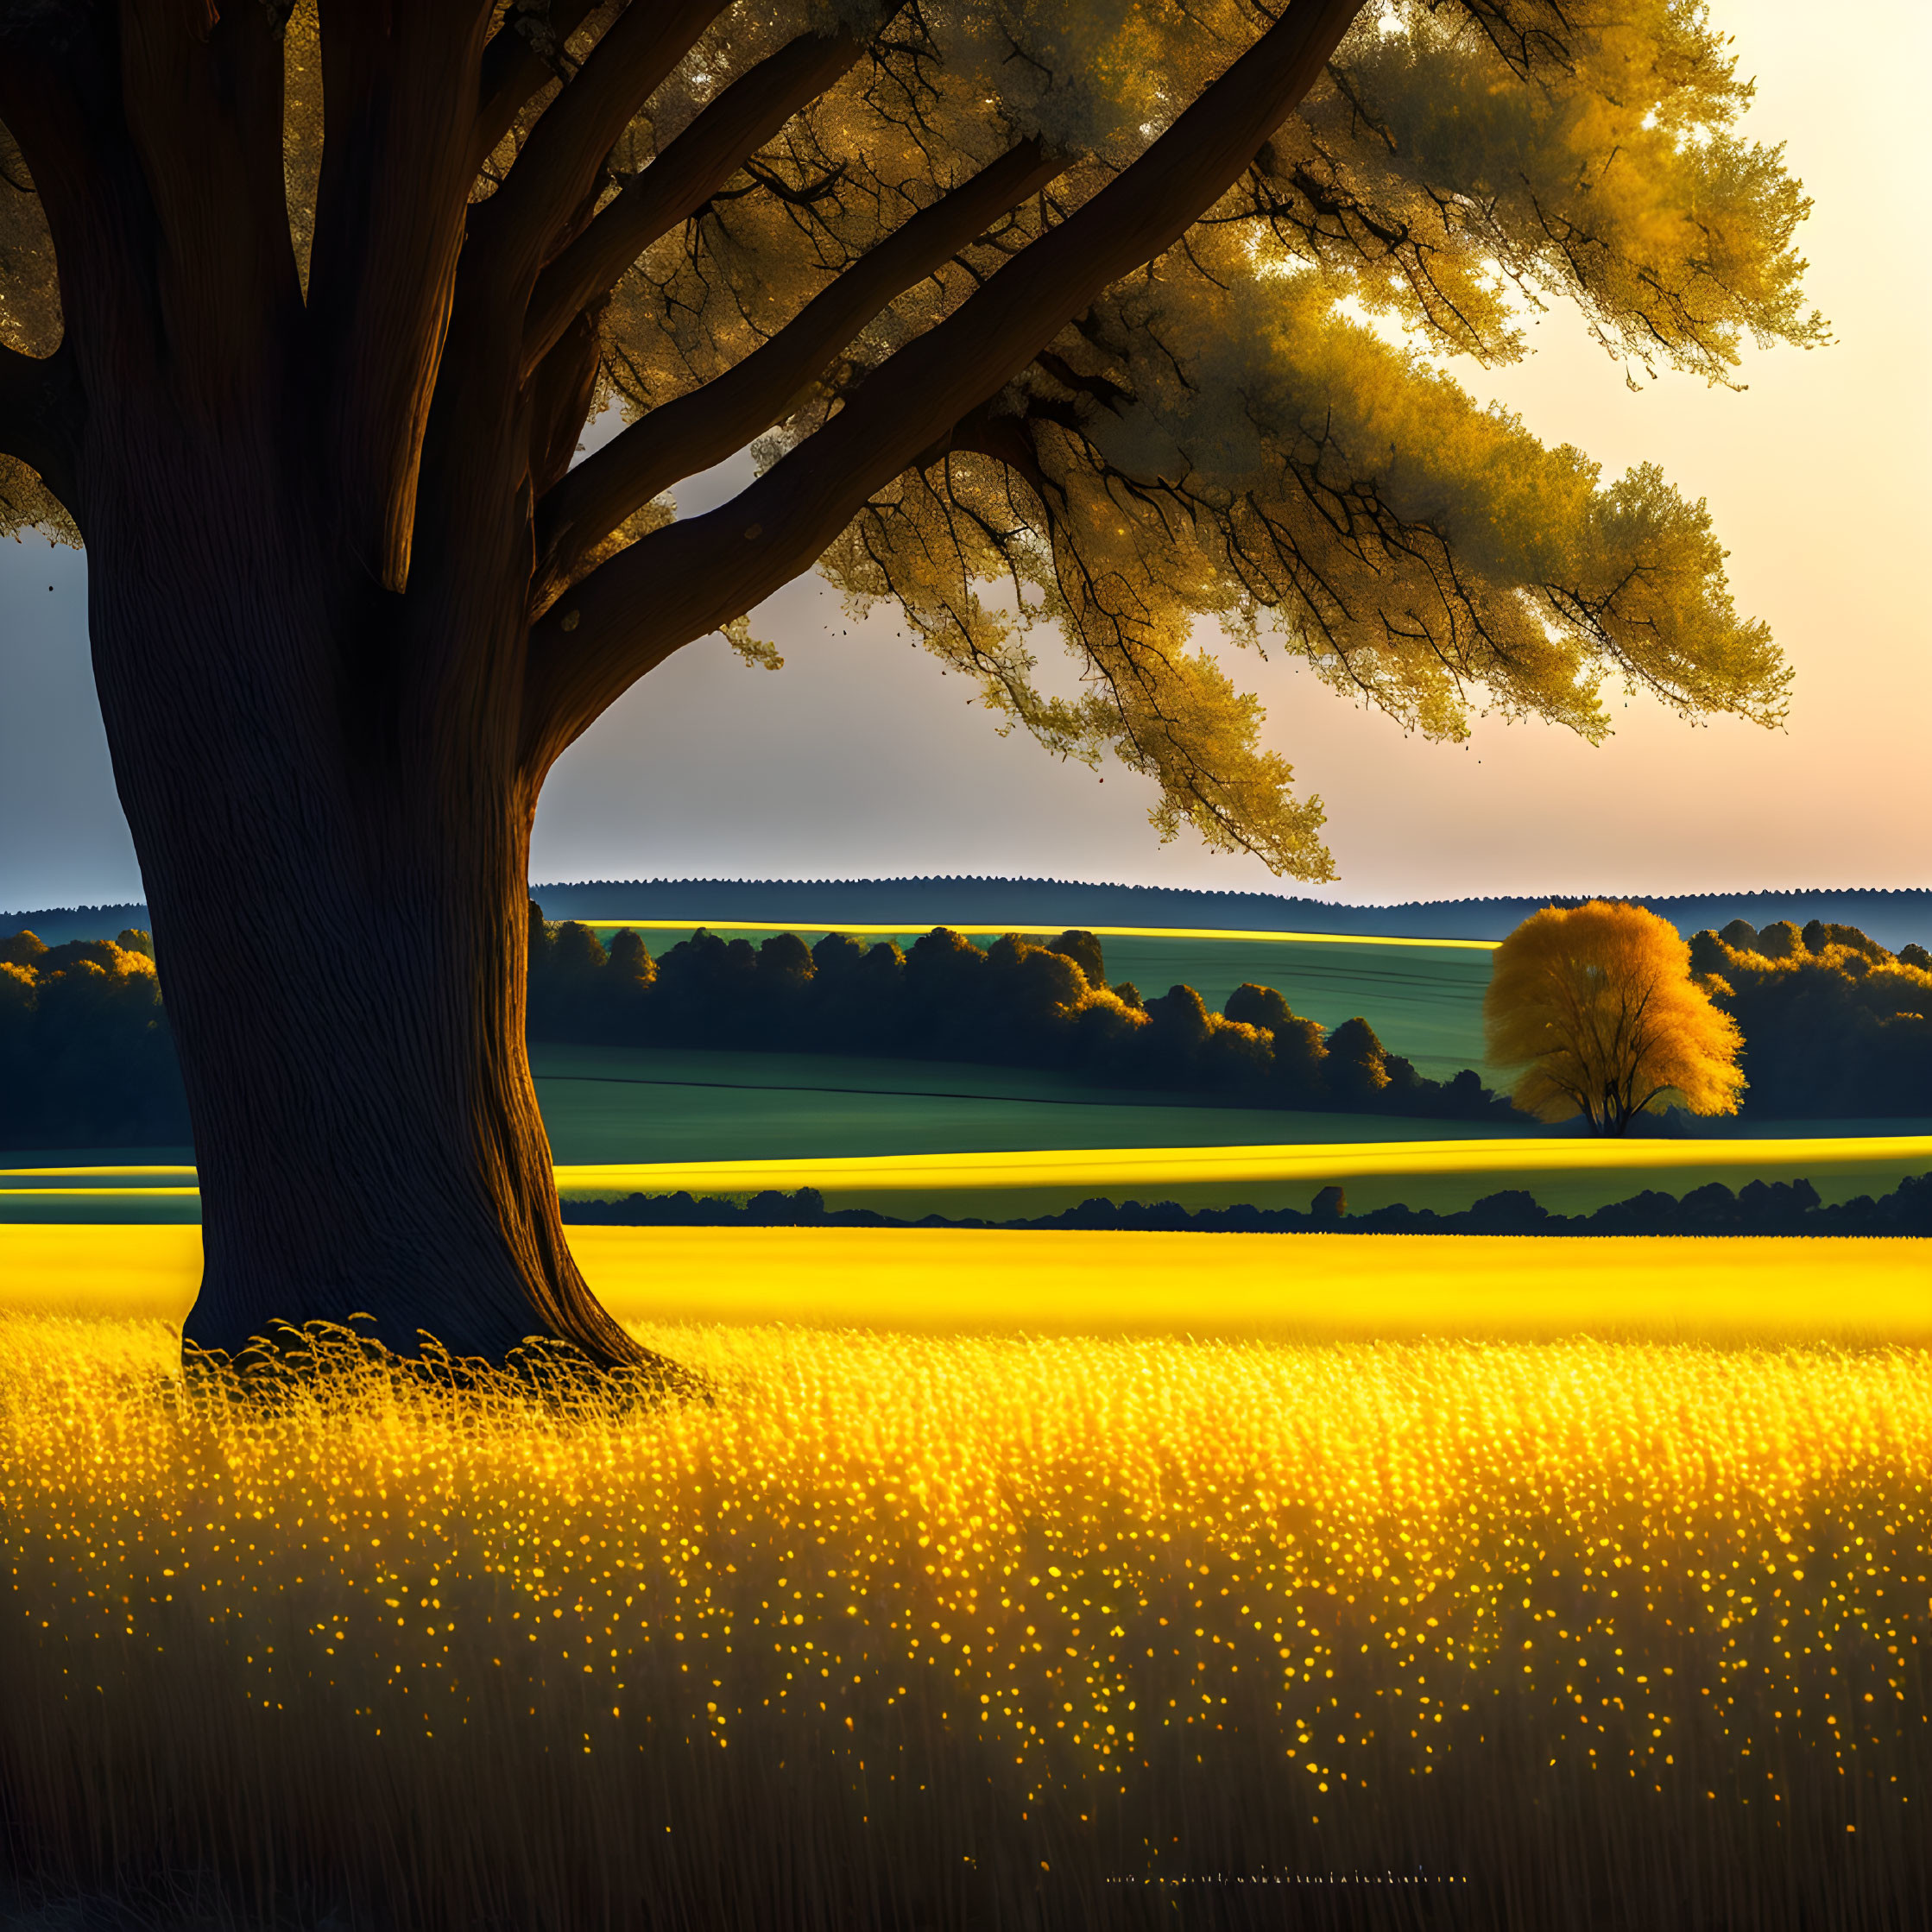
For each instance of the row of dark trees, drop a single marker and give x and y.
(1013, 1003)
(1834, 1025)
(1759, 1208)
(85, 1055)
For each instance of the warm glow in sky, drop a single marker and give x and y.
(860, 759)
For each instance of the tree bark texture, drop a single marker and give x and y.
(339, 904)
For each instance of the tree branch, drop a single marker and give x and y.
(712, 422)
(685, 580)
(1004, 439)
(60, 99)
(55, 78)
(400, 90)
(561, 392)
(204, 114)
(690, 170)
(518, 63)
(41, 406)
(517, 227)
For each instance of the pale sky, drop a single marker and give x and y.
(860, 759)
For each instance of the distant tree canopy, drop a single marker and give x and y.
(1598, 1008)
(85, 1057)
(1013, 1003)
(1834, 1025)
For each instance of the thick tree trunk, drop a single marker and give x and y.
(336, 866)
(309, 515)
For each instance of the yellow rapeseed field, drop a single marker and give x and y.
(903, 1630)
(1311, 1286)
(1567, 1174)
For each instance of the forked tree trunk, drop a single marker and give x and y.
(336, 867)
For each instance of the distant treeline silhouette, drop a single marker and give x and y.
(85, 1056)
(1012, 1003)
(1836, 1026)
(86, 1059)
(1036, 905)
(1760, 1208)
(1894, 917)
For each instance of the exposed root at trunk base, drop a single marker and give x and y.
(334, 1367)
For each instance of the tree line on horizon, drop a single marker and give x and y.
(1017, 1002)
(1760, 1208)
(1603, 1011)
(86, 1057)
(987, 897)
(1598, 1011)
(1835, 1025)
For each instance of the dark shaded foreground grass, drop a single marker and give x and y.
(904, 1633)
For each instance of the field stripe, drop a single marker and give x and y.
(10, 1173)
(1089, 1097)
(1034, 927)
(99, 1193)
(1304, 1286)
(1119, 1167)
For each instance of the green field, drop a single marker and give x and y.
(911, 1138)
(652, 1104)
(1423, 1000)
(607, 1106)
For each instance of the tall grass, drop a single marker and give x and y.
(904, 1631)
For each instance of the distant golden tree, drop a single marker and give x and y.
(1599, 1009)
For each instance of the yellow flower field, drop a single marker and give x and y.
(1312, 1286)
(901, 1629)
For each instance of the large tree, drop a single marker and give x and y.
(1077, 319)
